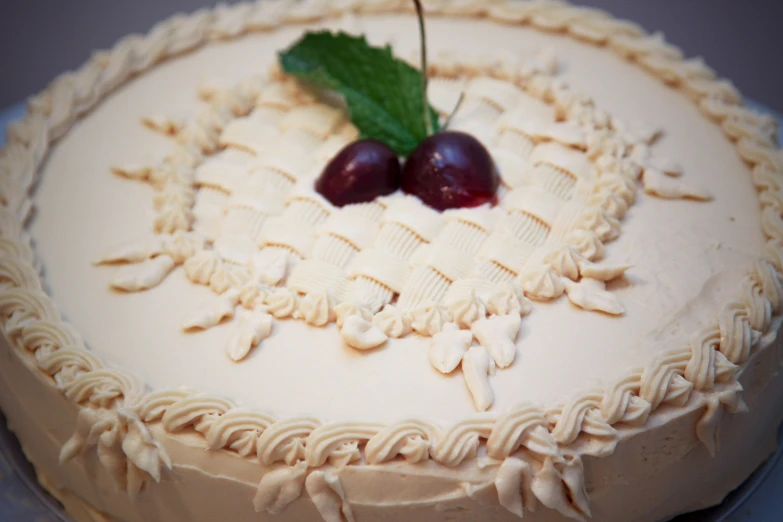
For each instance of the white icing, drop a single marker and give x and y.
(467, 310)
(591, 294)
(656, 183)
(252, 329)
(476, 367)
(279, 488)
(134, 252)
(316, 309)
(143, 276)
(498, 335)
(212, 312)
(448, 347)
(361, 334)
(541, 282)
(429, 319)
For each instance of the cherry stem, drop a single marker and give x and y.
(454, 112)
(424, 71)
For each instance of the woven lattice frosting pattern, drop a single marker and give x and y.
(525, 443)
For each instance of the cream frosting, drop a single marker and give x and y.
(700, 369)
(438, 253)
(339, 267)
(449, 347)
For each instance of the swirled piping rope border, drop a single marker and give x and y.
(708, 364)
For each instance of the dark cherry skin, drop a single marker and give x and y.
(451, 170)
(360, 172)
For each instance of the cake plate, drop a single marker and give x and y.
(23, 499)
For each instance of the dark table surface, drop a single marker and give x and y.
(41, 38)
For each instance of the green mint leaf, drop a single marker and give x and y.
(383, 93)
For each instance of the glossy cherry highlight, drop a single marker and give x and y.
(360, 172)
(451, 170)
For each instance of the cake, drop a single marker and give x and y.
(193, 333)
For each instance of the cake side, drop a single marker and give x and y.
(188, 490)
(764, 291)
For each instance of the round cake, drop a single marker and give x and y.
(195, 331)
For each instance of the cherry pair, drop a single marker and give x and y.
(447, 170)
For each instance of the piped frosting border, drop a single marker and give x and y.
(119, 404)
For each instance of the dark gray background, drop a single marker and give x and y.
(40, 38)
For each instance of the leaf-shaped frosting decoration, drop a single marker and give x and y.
(567, 497)
(602, 272)
(280, 487)
(343, 310)
(361, 334)
(106, 430)
(316, 309)
(540, 282)
(511, 480)
(548, 487)
(393, 322)
(665, 165)
(252, 329)
(141, 448)
(429, 319)
(497, 334)
(212, 313)
(591, 294)
(467, 309)
(448, 347)
(133, 252)
(574, 480)
(133, 171)
(167, 125)
(328, 496)
(282, 303)
(656, 183)
(477, 365)
(143, 276)
(83, 435)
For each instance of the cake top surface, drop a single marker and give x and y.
(626, 216)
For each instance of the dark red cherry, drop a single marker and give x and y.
(360, 172)
(451, 170)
